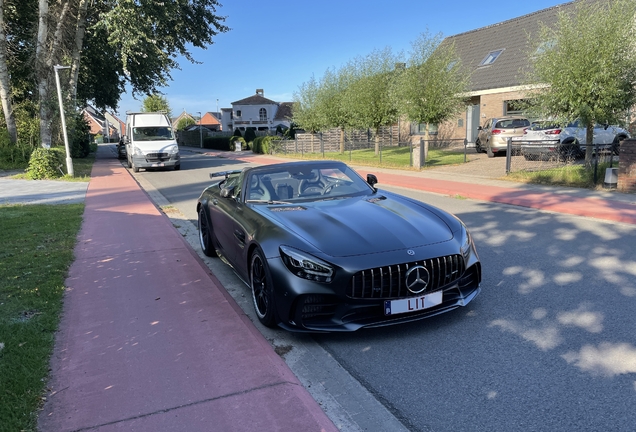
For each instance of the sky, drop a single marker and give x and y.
(277, 45)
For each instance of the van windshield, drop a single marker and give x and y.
(155, 133)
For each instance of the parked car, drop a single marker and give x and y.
(545, 139)
(121, 149)
(492, 137)
(321, 249)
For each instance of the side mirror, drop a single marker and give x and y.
(372, 180)
(480, 128)
(227, 192)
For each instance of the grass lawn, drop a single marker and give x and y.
(391, 157)
(37, 250)
(571, 175)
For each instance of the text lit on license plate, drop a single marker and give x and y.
(413, 304)
(157, 164)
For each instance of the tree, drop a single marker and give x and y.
(156, 103)
(107, 43)
(368, 96)
(584, 67)
(184, 122)
(431, 88)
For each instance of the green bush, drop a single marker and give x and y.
(237, 133)
(14, 156)
(250, 135)
(266, 144)
(79, 136)
(45, 164)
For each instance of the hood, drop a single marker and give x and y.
(356, 226)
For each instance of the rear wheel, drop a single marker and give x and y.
(569, 152)
(205, 234)
(262, 289)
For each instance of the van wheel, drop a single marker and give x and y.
(135, 168)
(129, 163)
(177, 167)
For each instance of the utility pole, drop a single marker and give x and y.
(69, 161)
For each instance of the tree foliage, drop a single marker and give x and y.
(586, 65)
(374, 90)
(432, 87)
(109, 44)
(156, 103)
(184, 122)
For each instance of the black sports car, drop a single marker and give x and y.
(324, 250)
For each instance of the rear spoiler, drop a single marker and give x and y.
(224, 173)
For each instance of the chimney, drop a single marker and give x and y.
(259, 92)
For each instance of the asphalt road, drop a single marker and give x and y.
(549, 345)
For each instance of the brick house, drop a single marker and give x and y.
(496, 57)
(105, 124)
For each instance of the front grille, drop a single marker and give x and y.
(389, 281)
(157, 157)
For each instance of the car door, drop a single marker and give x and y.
(484, 133)
(222, 213)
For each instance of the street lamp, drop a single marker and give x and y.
(200, 131)
(69, 161)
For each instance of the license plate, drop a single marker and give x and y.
(157, 165)
(413, 304)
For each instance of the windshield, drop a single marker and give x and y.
(293, 183)
(512, 123)
(154, 133)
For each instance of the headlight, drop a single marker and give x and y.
(465, 242)
(173, 150)
(137, 151)
(306, 266)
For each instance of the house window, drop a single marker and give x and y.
(513, 107)
(420, 129)
(238, 113)
(262, 114)
(491, 57)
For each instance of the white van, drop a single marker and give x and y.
(150, 141)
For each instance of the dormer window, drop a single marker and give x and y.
(491, 57)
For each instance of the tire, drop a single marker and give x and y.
(135, 168)
(205, 234)
(569, 152)
(489, 152)
(129, 162)
(478, 148)
(177, 167)
(262, 289)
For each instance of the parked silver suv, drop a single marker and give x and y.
(546, 139)
(492, 137)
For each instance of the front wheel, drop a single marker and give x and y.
(205, 234)
(478, 148)
(262, 289)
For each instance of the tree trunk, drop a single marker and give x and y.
(77, 50)
(377, 141)
(44, 59)
(342, 140)
(5, 83)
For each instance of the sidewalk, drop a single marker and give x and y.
(150, 341)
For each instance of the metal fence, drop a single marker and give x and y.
(350, 146)
(544, 156)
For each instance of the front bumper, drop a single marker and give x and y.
(156, 160)
(308, 306)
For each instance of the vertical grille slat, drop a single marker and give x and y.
(388, 282)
